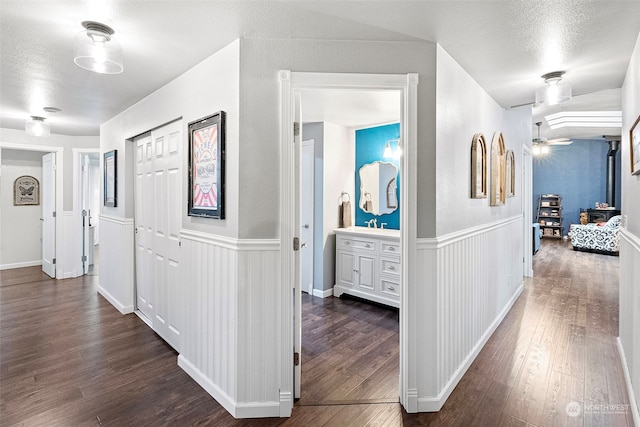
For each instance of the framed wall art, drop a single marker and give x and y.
(478, 167)
(26, 191)
(111, 179)
(498, 177)
(634, 140)
(206, 166)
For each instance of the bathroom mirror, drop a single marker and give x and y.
(378, 188)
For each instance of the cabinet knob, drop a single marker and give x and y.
(367, 245)
(391, 288)
(391, 249)
(391, 267)
(346, 242)
(355, 270)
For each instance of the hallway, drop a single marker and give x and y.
(67, 357)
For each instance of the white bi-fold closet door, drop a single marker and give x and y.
(158, 203)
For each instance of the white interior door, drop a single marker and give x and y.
(144, 195)
(158, 218)
(48, 192)
(306, 216)
(86, 248)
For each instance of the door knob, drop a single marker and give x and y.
(303, 245)
(306, 226)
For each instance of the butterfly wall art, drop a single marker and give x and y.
(26, 191)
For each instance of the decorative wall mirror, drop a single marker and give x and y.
(498, 176)
(378, 186)
(478, 167)
(510, 174)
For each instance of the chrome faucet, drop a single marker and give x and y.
(373, 222)
(382, 225)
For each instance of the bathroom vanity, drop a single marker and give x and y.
(368, 264)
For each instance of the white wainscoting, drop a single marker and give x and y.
(117, 262)
(466, 284)
(629, 339)
(231, 328)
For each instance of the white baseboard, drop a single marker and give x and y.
(323, 294)
(117, 304)
(434, 404)
(20, 265)
(237, 410)
(627, 379)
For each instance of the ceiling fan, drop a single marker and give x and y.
(555, 141)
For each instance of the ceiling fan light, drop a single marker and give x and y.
(37, 126)
(544, 149)
(95, 49)
(554, 90)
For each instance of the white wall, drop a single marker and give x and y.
(629, 340)
(67, 142)
(20, 226)
(464, 109)
(471, 273)
(339, 176)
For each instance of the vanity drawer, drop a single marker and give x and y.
(390, 248)
(346, 242)
(390, 266)
(390, 288)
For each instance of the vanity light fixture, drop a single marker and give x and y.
(95, 49)
(554, 90)
(390, 153)
(37, 126)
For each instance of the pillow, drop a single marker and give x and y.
(614, 222)
(601, 224)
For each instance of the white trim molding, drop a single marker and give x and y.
(291, 84)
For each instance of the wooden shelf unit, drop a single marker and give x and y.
(550, 215)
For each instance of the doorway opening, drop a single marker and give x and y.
(294, 87)
(349, 347)
(53, 226)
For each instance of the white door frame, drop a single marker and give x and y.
(290, 84)
(59, 191)
(78, 154)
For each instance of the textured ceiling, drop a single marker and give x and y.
(504, 45)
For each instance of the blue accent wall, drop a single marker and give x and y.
(370, 144)
(578, 173)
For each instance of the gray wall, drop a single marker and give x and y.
(260, 114)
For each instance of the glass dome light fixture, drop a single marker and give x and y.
(554, 90)
(37, 126)
(95, 49)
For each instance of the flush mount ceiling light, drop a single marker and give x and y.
(95, 49)
(600, 119)
(554, 90)
(37, 126)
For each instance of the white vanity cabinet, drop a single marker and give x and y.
(368, 264)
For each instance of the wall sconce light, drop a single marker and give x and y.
(96, 50)
(37, 126)
(554, 90)
(390, 153)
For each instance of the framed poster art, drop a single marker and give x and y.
(206, 166)
(634, 139)
(26, 191)
(111, 178)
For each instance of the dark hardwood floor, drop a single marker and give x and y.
(68, 358)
